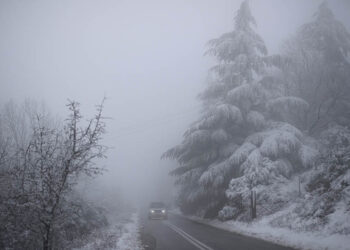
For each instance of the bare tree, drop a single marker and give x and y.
(43, 170)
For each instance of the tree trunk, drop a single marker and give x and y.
(253, 204)
(47, 244)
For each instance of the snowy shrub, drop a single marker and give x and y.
(268, 162)
(326, 203)
(257, 174)
(84, 220)
(229, 212)
(237, 188)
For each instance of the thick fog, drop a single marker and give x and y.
(146, 57)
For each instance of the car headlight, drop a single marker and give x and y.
(152, 211)
(163, 211)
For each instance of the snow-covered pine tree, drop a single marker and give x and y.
(235, 143)
(230, 111)
(318, 70)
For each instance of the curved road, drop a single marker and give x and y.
(178, 233)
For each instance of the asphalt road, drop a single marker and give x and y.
(178, 233)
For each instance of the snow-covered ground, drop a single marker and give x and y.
(130, 238)
(121, 234)
(263, 230)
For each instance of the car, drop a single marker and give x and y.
(157, 210)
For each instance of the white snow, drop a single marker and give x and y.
(130, 235)
(261, 229)
(121, 234)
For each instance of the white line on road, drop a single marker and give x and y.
(189, 238)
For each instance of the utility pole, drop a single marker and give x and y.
(253, 203)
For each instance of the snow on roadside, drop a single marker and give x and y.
(130, 239)
(262, 230)
(121, 234)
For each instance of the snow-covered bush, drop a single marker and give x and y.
(229, 212)
(270, 158)
(326, 203)
(84, 219)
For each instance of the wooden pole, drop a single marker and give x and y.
(253, 204)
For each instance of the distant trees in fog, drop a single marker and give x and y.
(262, 115)
(318, 70)
(41, 159)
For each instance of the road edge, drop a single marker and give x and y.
(254, 236)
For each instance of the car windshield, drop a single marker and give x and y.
(157, 205)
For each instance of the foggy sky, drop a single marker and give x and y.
(145, 56)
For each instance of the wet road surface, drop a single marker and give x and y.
(179, 233)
